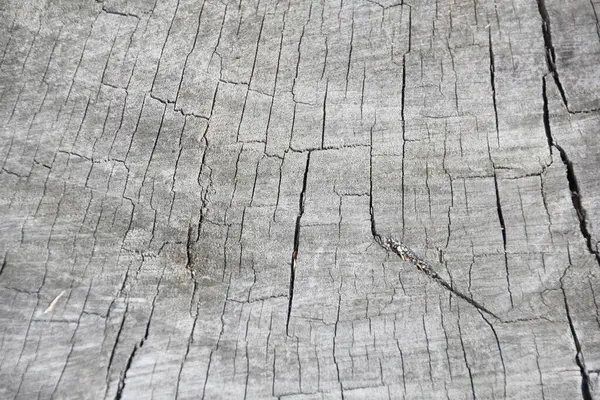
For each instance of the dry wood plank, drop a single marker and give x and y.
(299, 200)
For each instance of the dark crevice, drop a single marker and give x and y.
(205, 188)
(189, 265)
(376, 236)
(403, 91)
(585, 378)
(408, 255)
(119, 13)
(121, 386)
(403, 116)
(349, 55)
(581, 216)
(493, 83)
(139, 345)
(503, 229)
(335, 332)
(550, 53)
(114, 348)
(571, 178)
(390, 244)
(296, 244)
(3, 265)
(324, 115)
(576, 199)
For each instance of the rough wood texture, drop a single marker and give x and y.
(215, 200)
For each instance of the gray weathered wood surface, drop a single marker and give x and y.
(194, 196)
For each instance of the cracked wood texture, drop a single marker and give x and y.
(194, 196)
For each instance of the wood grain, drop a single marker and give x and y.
(193, 194)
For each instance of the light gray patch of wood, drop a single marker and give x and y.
(299, 200)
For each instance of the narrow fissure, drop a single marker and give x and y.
(571, 178)
(296, 244)
(138, 346)
(401, 250)
(407, 255)
(121, 385)
(376, 236)
(493, 84)
(499, 351)
(464, 351)
(585, 378)
(581, 216)
(403, 138)
(324, 115)
(503, 229)
(3, 263)
(550, 53)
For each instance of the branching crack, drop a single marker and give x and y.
(581, 216)
(550, 53)
(397, 247)
(571, 178)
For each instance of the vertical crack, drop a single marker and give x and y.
(428, 349)
(571, 178)
(324, 114)
(550, 53)
(123, 377)
(585, 378)
(349, 54)
(376, 236)
(537, 361)
(3, 263)
(493, 83)
(403, 91)
(296, 244)
(499, 350)
(335, 332)
(581, 216)
(503, 229)
(464, 352)
(402, 112)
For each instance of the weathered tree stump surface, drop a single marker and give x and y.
(196, 199)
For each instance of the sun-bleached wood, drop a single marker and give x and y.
(299, 200)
